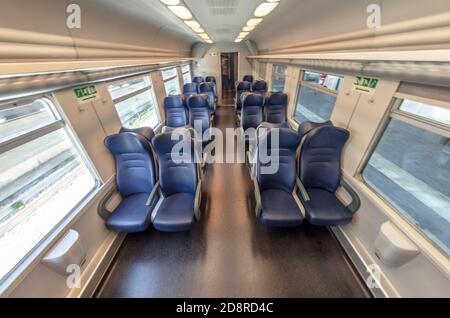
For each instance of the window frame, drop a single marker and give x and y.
(186, 72)
(150, 88)
(171, 78)
(394, 112)
(279, 74)
(33, 257)
(317, 87)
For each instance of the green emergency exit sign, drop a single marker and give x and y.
(366, 85)
(86, 93)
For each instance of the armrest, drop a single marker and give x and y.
(356, 201)
(198, 201)
(102, 211)
(257, 198)
(302, 189)
(153, 194)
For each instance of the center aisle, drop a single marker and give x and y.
(228, 253)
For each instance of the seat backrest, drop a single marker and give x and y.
(135, 166)
(307, 126)
(208, 89)
(284, 178)
(145, 132)
(198, 80)
(248, 78)
(210, 79)
(175, 110)
(276, 108)
(252, 110)
(199, 111)
(241, 88)
(320, 157)
(260, 87)
(190, 89)
(177, 170)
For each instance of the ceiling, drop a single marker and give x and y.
(223, 19)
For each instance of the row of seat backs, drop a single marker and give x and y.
(182, 112)
(200, 79)
(134, 151)
(209, 89)
(258, 108)
(259, 87)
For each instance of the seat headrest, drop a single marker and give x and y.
(326, 137)
(174, 101)
(198, 79)
(145, 132)
(126, 142)
(252, 99)
(190, 87)
(210, 79)
(164, 143)
(206, 87)
(198, 101)
(277, 98)
(289, 139)
(248, 78)
(308, 126)
(244, 86)
(260, 85)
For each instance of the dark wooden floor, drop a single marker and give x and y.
(229, 254)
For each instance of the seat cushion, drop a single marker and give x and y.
(325, 209)
(279, 209)
(176, 213)
(132, 215)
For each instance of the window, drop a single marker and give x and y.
(171, 82)
(410, 167)
(135, 103)
(44, 177)
(187, 77)
(317, 97)
(278, 78)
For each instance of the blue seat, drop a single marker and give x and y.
(319, 172)
(260, 87)
(199, 113)
(208, 89)
(190, 89)
(175, 109)
(180, 184)
(252, 110)
(241, 88)
(213, 82)
(198, 80)
(135, 176)
(275, 110)
(275, 190)
(248, 78)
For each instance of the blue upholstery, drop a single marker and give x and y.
(260, 87)
(145, 132)
(275, 108)
(175, 109)
(320, 167)
(190, 89)
(252, 110)
(198, 80)
(324, 209)
(135, 179)
(248, 78)
(178, 182)
(278, 206)
(308, 126)
(241, 88)
(199, 111)
(208, 89)
(210, 79)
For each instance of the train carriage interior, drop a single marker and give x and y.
(225, 149)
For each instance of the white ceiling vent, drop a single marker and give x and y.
(222, 3)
